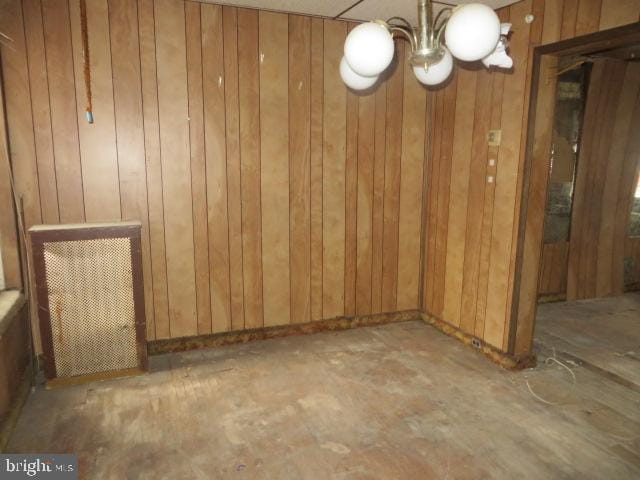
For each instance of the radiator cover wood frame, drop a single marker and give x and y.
(63, 233)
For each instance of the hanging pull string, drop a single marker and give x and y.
(86, 59)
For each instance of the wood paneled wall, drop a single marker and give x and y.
(474, 190)
(591, 263)
(268, 193)
(553, 269)
(605, 180)
(632, 251)
(9, 246)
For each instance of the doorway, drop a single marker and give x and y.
(577, 239)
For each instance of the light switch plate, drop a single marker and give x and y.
(494, 137)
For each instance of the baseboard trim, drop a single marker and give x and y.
(509, 362)
(552, 297)
(60, 382)
(8, 423)
(158, 347)
(183, 344)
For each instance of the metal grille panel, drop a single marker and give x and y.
(91, 305)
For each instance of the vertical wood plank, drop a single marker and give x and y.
(444, 185)
(146, 33)
(198, 164)
(333, 169)
(579, 222)
(569, 17)
(9, 247)
(437, 99)
(351, 201)
(39, 86)
(274, 166)
(316, 157)
(230, 29)
(487, 218)
(411, 183)
(15, 71)
(615, 13)
(588, 18)
(392, 181)
(535, 37)
(537, 198)
(57, 37)
(626, 193)
(552, 24)
(545, 264)
(98, 154)
(249, 107)
(596, 258)
(507, 181)
(175, 157)
(609, 278)
(300, 166)
(614, 77)
(457, 224)
(477, 183)
(377, 226)
(127, 97)
(19, 127)
(364, 212)
(216, 165)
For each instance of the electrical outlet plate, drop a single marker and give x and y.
(494, 137)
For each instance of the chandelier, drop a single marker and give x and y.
(471, 32)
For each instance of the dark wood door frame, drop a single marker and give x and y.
(536, 174)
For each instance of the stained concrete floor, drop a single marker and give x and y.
(601, 332)
(400, 401)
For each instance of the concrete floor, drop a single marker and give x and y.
(602, 333)
(400, 401)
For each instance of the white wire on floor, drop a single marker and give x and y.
(549, 361)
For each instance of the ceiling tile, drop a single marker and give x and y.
(383, 10)
(366, 10)
(408, 9)
(324, 8)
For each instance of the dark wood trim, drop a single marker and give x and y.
(593, 42)
(243, 336)
(587, 44)
(505, 360)
(522, 225)
(88, 232)
(44, 317)
(138, 300)
(40, 236)
(93, 377)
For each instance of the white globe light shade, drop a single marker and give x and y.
(369, 49)
(436, 73)
(353, 80)
(472, 32)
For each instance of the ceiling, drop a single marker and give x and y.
(354, 9)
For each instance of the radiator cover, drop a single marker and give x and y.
(90, 298)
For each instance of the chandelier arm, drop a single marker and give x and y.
(440, 30)
(408, 33)
(400, 19)
(444, 11)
